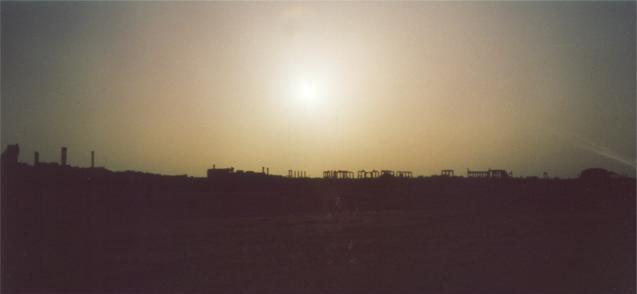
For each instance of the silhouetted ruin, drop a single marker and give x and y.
(63, 152)
(387, 173)
(404, 174)
(297, 174)
(363, 174)
(446, 173)
(491, 173)
(215, 172)
(231, 173)
(338, 174)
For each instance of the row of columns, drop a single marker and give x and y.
(297, 174)
(363, 174)
(491, 173)
(477, 174)
(338, 174)
(404, 174)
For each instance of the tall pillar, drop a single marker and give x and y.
(63, 156)
(92, 159)
(36, 158)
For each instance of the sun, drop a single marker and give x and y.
(308, 92)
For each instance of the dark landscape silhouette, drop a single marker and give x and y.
(72, 229)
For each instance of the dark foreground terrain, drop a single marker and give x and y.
(94, 231)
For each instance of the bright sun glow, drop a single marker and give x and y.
(308, 92)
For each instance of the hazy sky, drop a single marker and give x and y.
(172, 87)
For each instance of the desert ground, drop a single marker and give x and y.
(111, 234)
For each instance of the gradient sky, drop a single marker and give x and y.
(172, 88)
